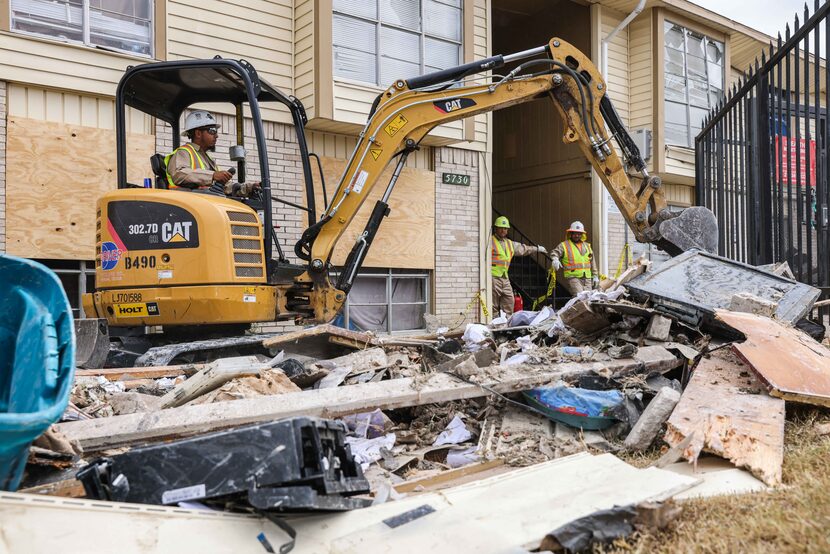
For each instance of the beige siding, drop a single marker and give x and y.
(680, 195)
(680, 162)
(304, 54)
(72, 108)
(260, 31)
(51, 64)
(618, 72)
(481, 49)
(641, 64)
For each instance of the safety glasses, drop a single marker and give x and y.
(211, 130)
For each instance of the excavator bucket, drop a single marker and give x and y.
(92, 343)
(694, 227)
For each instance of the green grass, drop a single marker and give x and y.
(792, 518)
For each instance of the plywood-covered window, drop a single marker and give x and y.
(694, 77)
(122, 25)
(378, 41)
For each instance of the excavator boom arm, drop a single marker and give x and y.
(403, 115)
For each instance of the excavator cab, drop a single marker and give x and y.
(183, 257)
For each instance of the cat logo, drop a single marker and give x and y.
(453, 104)
(178, 231)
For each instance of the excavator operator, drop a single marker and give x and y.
(190, 165)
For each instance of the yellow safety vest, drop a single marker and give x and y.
(576, 262)
(501, 257)
(196, 162)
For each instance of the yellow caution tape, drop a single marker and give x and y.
(551, 287)
(625, 256)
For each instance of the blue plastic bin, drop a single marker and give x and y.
(37, 359)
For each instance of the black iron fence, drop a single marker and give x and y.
(762, 157)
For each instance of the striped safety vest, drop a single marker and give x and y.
(577, 263)
(196, 162)
(501, 256)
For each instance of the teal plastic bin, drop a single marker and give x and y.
(37, 359)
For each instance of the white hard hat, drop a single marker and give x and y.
(198, 119)
(576, 227)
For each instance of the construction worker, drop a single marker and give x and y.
(576, 257)
(190, 166)
(502, 251)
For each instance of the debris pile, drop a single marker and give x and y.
(671, 364)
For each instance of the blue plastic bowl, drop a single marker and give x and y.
(37, 359)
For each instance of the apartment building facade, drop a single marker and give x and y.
(60, 61)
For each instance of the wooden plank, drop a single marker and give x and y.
(153, 372)
(449, 476)
(50, 207)
(69, 488)
(215, 375)
(730, 416)
(790, 363)
(97, 434)
(406, 238)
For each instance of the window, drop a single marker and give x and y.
(694, 76)
(77, 279)
(124, 25)
(378, 41)
(387, 301)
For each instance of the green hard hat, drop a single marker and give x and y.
(502, 222)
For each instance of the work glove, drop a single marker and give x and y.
(541, 249)
(595, 282)
(241, 189)
(557, 265)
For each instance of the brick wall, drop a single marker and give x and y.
(456, 238)
(3, 111)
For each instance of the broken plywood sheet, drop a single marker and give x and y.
(530, 502)
(321, 341)
(97, 434)
(730, 416)
(719, 478)
(789, 362)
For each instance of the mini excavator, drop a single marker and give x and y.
(204, 263)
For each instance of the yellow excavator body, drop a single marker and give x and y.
(175, 257)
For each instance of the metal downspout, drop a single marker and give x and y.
(604, 60)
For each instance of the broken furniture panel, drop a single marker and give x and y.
(790, 364)
(497, 514)
(727, 411)
(693, 285)
(297, 464)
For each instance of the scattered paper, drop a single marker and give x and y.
(526, 343)
(474, 335)
(459, 458)
(366, 451)
(455, 433)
